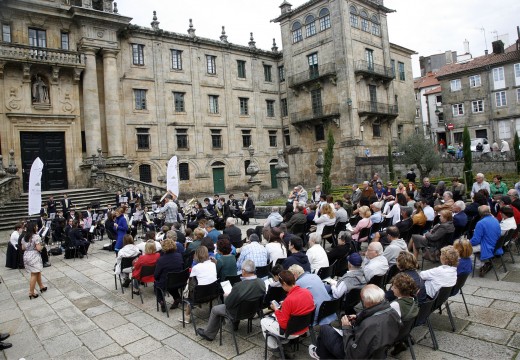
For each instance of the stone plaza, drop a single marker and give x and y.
(82, 316)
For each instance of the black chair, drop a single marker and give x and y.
(376, 227)
(299, 229)
(263, 271)
(280, 261)
(126, 263)
(461, 280)
(446, 240)
(442, 298)
(339, 227)
(363, 233)
(499, 245)
(145, 272)
(327, 235)
(341, 267)
(326, 309)
(509, 241)
(246, 311)
(175, 281)
(378, 280)
(187, 258)
(404, 335)
(201, 294)
(273, 293)
(295, 324)
(427, 227)
(233, 279)
(423, 317)
(350, 300)
(326, 272)
(392, 271)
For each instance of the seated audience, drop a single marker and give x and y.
(375, 263)
(487, 232)
(341, 213)
(364, 223)
(396, 245)
(149, 236)
(298, 219)
(226, 263)
(354, 278)
(508, 220)
(418, 217)
(169, 262)
(296, 256)
(149, 258)
(316, 254)
(324, 217)
(253, 251)
(342, 249)
(441, 276)
(436, 235)
(234, 233)
(465, 251)
(128, 250)
(276, 249)
(406, 264)
(198, 235)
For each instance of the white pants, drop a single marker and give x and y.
(476, 249)
(271, 325)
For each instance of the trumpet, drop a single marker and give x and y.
(188, 206)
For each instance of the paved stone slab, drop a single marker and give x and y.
(97, 310)
(96, 339)
(426, 352)
(507, 295)
(143, 346)
(109, 320)
(506, 306)
(86, 302)
(121, 357)
(159, 330)
(190, 348)
(109, 351)
(126, 334)
(514, 324)
(488, 333)
(482, 315)
(140, 318)
(51, 329)
(164, 352)
(77, 354)
(442, 322)
(125, 308)
(227, 350)
(25, 344)
(62, 344)
(473, 300)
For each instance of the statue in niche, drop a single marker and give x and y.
(40, 91)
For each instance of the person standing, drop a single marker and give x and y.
(32, 258)
(120, 226)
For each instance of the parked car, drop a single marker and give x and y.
(474, 143)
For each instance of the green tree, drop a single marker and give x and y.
(390, 162)
(420, 152)
(516, 146)
(327, 166)
(468, 165)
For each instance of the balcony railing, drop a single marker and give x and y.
(375, 108)
(369, 68)
(41, 55)
(318, 113)
(312, 74)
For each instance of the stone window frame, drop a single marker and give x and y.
(182, 137)
(500, 99)
(247, 138)
(7, 36)
(213, 105)
(65, 40)
(269, 105)
(310, 26)
(211, 64)
(179, 103)
(296, 30)
(324, 17)
(241, 69)
(457, 109)
(365, 21)
(137, 54)
(145, 173)
(216, 139)
(477, 106)
(243, 106)
(37, 38)
(284, 109)
(474, 81)
(281, 73)
(402, 72)
(376, 27)
(273, 138)
(287, 137)
(140, 103)
(184, 171)
(518, 95)
(176, 59)
(319, 132)
(354, 20)
(268, 73)
(516, 71)
(376, 129)
(455, 85)
(143, 139)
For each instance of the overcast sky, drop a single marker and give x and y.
(428, 27)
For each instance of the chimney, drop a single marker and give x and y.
(486, 52)
(466, 46)
(448, 57)
(498, 47)
(285, 7)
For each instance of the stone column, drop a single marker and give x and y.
(112, 110)
(91, 116)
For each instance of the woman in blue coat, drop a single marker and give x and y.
(121, 227)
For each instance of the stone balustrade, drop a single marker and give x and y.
(9, 189)
(113, 183)
(32, 54)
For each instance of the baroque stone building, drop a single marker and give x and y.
(76, 76)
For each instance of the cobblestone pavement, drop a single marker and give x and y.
(82, 316)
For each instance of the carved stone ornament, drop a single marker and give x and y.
(2, 65)
(77, 75)
(39, 90)
(26, 72)
(67, 105)
(55, 74)
(14, 102)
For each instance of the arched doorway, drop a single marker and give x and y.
(219, 185)
(274, 172)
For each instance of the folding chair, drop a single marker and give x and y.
(263, 271)
(423, 317)
(326, 272)
(341, 267)
(442, 298)
(273, 293)
(499, 245)
(126, 263)
(233, 279)
(327, 235)
(461, 280)
(392, 271)
(145, 272)
(326, 308)
(350, 300)
(201, 294)
(378, 280)
(174, 281)
(404, 335)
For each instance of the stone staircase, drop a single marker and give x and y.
(15, 210)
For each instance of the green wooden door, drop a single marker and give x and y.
(274, 181)
(219, 186)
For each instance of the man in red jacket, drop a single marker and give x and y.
(299, 301)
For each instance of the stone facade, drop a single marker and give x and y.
(142, 95)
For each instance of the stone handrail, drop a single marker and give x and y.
(113, 183)
(9, 189)
(41, 55)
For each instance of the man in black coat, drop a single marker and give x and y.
(234, 233)
(247, 210)
(66, 203)
(427, 191)
(51, 205)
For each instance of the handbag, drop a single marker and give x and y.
(188, 290)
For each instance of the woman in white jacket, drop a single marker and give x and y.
(327, 218)
(129, 250)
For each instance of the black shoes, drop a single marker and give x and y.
(4, 345)
(175, 304)
(46, 264)
(485, 269)
(4, 336)
(201, 333)
(399, 348)
(126, 283)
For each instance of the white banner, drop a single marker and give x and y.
(35, 187)
(172, 176)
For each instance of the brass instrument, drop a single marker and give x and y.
(188, 207)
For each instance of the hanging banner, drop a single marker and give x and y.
(35, 187)
(172, 177)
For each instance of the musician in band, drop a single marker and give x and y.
(118, 198)
(210, 208)
(247, 210)
(199, 215)
(223, 212)
(170, 210)
(234, 206)
(66, 203)
(51, 205)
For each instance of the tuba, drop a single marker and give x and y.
(188, 206)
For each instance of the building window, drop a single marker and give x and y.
(354, 21)
(6, 33)
(517, 74)
(364, 21)
(37, 38)
(143, 139)
(319, 131)
(400, 67)
(65, 40)
(310, 26)
(457, 109)
(376, 129)
(369, 57)
(281, 73)
(399, 131)
(417, 113)
(140, 99)
(184, 171)
(273, 142)
(324, 19)
(145, 173)
(284, 109)
(477, 106)
(182, 139)
(312, 59)
(504, 129)
(138, 54)
(270, 108)
(216, 139)
(268, 73)
(176, 59)
(498, 78)
(455, 85)
(500, 98)
(211, 64)
(213, 104)
(287, 137)
(474, 81)
(518, 95)
(178, 102)
(316, 104)
(244, 109)
(457, 137)
(297, 32)
(246, 138)
(376, 28)
(392, 64)
(438, 100)
(241, 69)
